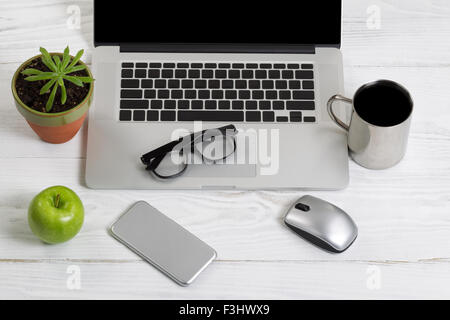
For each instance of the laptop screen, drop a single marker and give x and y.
(218, 22)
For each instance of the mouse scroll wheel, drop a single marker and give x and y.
(302, 207)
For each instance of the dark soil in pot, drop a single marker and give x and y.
(28, 91)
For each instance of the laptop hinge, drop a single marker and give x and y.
(219, 48)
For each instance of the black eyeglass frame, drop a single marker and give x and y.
(153, 158)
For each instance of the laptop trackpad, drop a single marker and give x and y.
(220, 170)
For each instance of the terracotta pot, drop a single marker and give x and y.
(53, 127)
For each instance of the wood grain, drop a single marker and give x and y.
(402, 213)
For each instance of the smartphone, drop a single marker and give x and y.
(163, 243)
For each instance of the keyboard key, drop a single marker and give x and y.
(187, 84)
(274, 74)
(131, 94)
(183, 104)
(307, 84)
(211, 116)
(264, 105)
(237, 105)
(284, 94)
(160, 84)
(163, 94)
(267, 84)
(221, 74)
(293, 66)
(182, 65)
(194, 74)
(152, 115)
(210, 65)
(127, 64)
(133, 104)
(197, 65)
(170, 104)
(197, 104)
(200, 84)
(173, 84)
(268, 116)
(244, 94)
(278, 105)
(224, 105)
(167, 74)
(279, 66)
(168, 115)
(129, 83)
(240, 84)
(234, 74)
(227, 84)
(230, 94)
(238, 66)
(251, 105)
(217, 94)
(125, 115)
(190, 94)
(281, 84)
(307, 66)
(271, 94)
(247, 74)
(211, 104)
(176, 94)
(204, 94)
(300, 105)
(265, 66)
(253, 116)
(287, 74)
(303, 95)
(207, 74)
(146, 83)
(257, 94)
(155, 65)
(309, 119)
(141, 65)
(154, 73)
(224, 66)
(295, 116)
(180, 74)
(214, 84)
(294, 84)
(149, 94)
(156, 104)
(254, 84)
(127, 73)
(301, 74)
(260, 74)
(169, 65)
(140, 73)
(139, 115)
(282, 119)
(252, 66)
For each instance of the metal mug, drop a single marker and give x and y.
(379, 124)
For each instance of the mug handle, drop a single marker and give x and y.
(338, 121)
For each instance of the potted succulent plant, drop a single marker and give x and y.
(53, 92)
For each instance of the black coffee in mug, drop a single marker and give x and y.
(383, 103)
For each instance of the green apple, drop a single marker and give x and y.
(56, 214)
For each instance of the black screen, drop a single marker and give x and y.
(218, 22)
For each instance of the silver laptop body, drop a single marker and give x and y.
(283, 153)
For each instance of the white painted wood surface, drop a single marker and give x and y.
(403, 213)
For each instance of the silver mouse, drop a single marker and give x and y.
(322, 224)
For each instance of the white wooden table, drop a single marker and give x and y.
(403, 214)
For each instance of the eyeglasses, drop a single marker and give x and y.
(172, 159)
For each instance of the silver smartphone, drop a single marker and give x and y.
(163, 243)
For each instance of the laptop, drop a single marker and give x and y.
(164, 70)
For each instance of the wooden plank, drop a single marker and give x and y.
(227, 280)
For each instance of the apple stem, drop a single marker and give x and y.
(57, 200)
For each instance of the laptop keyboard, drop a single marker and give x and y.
(230, 92)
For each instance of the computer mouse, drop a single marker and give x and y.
(322, 223)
